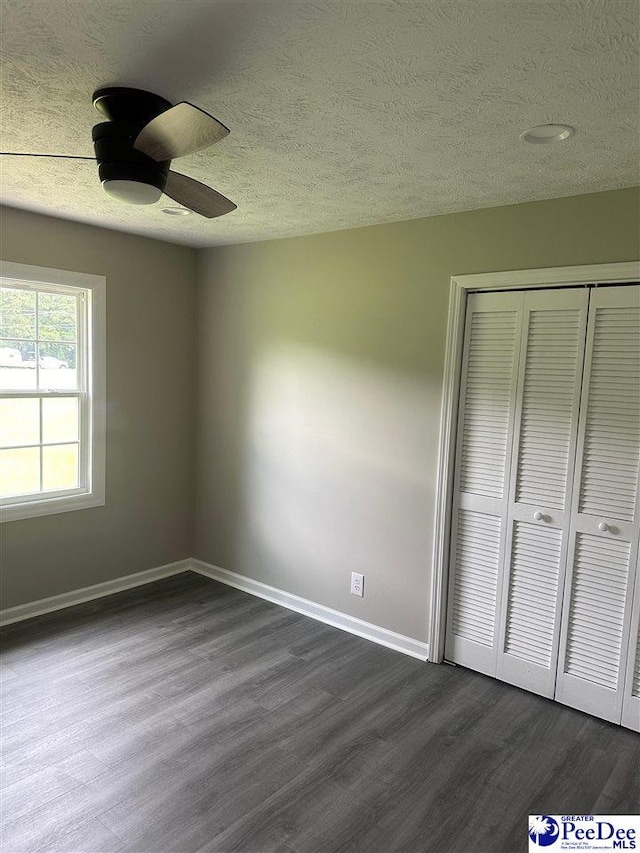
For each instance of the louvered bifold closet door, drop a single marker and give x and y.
(481, 483)
(602, 560)
(631, 696)
(547, 408)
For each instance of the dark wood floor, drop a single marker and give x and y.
(187, 716)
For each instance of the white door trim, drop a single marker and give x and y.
(461, 285)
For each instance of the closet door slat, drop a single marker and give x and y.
(530, 623)
(486, 417)
(558, 355)
(596, 662)
(474, 593)
(607, 425)
(631, 695)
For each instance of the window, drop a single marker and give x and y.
(52, 377)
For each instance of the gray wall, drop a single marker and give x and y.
(147, 520)
(320, 363)
(315, 403)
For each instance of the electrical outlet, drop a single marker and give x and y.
(357, 584)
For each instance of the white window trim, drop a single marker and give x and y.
(461, 285)
(13, 509)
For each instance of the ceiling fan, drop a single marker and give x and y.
(135, 146)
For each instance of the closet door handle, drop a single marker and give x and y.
(603, 526)
(539, 516)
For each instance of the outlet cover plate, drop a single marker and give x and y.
(357, 584)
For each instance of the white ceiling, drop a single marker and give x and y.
(342, 113)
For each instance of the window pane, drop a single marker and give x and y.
(19, 422)
(17, 313)
(17, 365)
(57, 366)
(59, 419)
(19, 471)
(60, 467)
(57, 317)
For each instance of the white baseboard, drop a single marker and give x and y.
(382, 636)
(87, 593)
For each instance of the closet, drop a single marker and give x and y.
(543, 571)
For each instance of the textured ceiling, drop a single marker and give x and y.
(342, 113)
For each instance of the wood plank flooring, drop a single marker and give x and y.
(186, 716)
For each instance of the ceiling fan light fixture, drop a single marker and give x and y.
(132, 192)
(546, 134)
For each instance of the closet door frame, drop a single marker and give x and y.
(461, 286)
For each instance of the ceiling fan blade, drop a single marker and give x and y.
(196, 196)
(55, 156)
(180, 130)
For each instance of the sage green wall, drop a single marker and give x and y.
(147, 519)
(319, 386)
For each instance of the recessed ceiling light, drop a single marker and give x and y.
(545, 134)
(177, 211)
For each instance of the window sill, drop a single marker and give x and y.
(51, 506)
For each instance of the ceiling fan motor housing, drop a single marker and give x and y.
(120, 165)
(118, 160)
